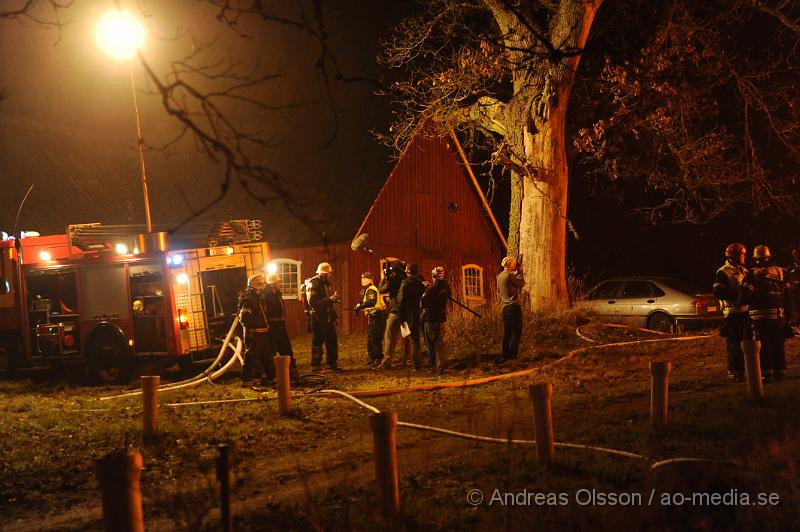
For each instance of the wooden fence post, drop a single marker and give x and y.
(659, 391)
(284, 383)
(150, 407)
(118, 474)
(541, 395)
(384, 436)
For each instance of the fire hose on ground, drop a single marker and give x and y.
(353, 396)
(207, 375)
(508, 441)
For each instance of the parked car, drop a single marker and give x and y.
(657, 303)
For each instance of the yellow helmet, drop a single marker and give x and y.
(761, 252)
(324, 267)
(273, 278)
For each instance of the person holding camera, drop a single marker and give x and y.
(408, 299)
(434, 314)
(509, 287)
(392, 279)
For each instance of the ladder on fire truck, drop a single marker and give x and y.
(96, 236)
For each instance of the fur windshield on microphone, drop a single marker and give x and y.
(359, 242)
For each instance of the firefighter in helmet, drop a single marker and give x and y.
(375, 309)
(321, 298)
(253, 315)
(276, 316)
(763, 289)
(792, 278)
(726, 288)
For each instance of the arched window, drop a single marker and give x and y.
(472, 284)
(289, 270)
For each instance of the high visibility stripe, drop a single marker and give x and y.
(766, 313)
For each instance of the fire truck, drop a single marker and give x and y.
(105, 296)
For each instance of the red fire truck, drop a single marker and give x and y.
(104, 296)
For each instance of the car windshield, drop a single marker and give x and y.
(682, 286)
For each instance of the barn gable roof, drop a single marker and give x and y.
(461, 158)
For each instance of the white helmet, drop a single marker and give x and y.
(256, 281)
(324, 267)
(273, 278)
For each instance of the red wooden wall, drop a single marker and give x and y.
(429, 213)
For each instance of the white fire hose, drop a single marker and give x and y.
(208, 375)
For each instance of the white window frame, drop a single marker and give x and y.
(298, 278)
(479, 299)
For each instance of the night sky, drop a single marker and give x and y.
(68, 88)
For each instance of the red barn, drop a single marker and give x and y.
(430, 210)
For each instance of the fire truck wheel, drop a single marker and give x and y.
(110, 361)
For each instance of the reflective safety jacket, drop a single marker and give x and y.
(726, 288)
(763, 288)
(372, 301)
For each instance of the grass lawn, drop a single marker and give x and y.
(314, 469)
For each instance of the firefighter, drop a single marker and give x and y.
(509, 287)
(736, 318)
(375, 309)
(253, 315)
(392, 278)
(434, 314)
(408, 306)
(792, 277)
(276, 316)
(763, 290)
(321, 298)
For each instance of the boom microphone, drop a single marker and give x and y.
(359, 242)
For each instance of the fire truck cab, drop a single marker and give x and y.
(91, 297)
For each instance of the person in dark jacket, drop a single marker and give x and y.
(736, 319)
(253, 316)
(390, 286)
(276, 317)
(763, 290)
(321, 298)
(434, 314)
(408, 307)
(375, 308)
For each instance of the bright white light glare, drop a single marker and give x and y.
(119, 34)
(183, 278)
(229, 251)
(135, 250)
(45, 256)
(122, 249)
(176, 260)
(272, 267)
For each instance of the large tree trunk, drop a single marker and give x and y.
(542, 226)
(542, 222)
